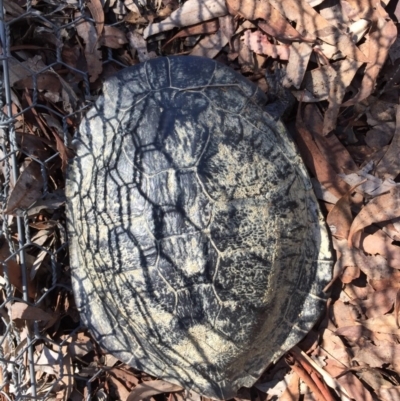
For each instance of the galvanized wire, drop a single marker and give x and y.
(21, 340)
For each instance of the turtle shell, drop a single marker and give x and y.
(198, 251)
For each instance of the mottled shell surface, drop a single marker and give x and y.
(198, 251)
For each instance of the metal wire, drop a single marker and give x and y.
(23, 341)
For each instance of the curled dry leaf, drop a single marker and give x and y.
(96, 9)
(375, 267)
(87, 32)
(120, 390)
(379, 209)
(137, 42)
(192, 12)
(345, 72)
(198, 29)
(297, 65)
(301, 12)
(389, 166)
(316, 162)
(379, 243)
(274, 23)
(382, 36)
(339, 218)
(260, 44)
(150, 388)
(212, 44)
(27, 190)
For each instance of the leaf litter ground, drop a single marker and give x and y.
(341, 63)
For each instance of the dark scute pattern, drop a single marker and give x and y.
(197, 248)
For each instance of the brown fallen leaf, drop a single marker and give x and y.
(337, 366)
(46, 81)
(212, 44)
(190, 13)
(379, 209)
(297, 65)
(121, 391)
(27, 190)
(375, 267)
(330, 146)
(378, 303)
(389, 166)
(292, 392)
(113, 37)
(274, 23)
(382, 324)
(382, 36)
(125, 376)
(96, 9)
(376, 356)
(21, 310)
(315, 161)
(198, 29)
(137, 42)
(344, 315)
(381, 244)
(88, 33)
(301, 12)
(388, 393)
(340, 217)
(345, 72)
(14, 273)
(150, 388)
(260, 44)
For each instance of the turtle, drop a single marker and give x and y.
(198, 250)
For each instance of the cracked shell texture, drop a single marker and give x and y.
(198, 251)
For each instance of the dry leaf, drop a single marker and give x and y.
(27, 190)
(260, 44)
(93, 55)
(376, 356)
(389, 166)
(339, 218)
(274, 23)
(383, 324)
(113, 37)
(379, 243)
(330, 146)
(299, 56)
(96, 9)
(150, 388)
(137, 42)
(379, 209)
(316, 162)
(301, 12)
(20, 310)
(120, 390)
(46, 81)
(388, 393)
(190, 13)
(198, 29)
(382, 36)
(378, 303)
(14, 273)
(212, 44)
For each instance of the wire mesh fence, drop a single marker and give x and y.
(45, 88)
